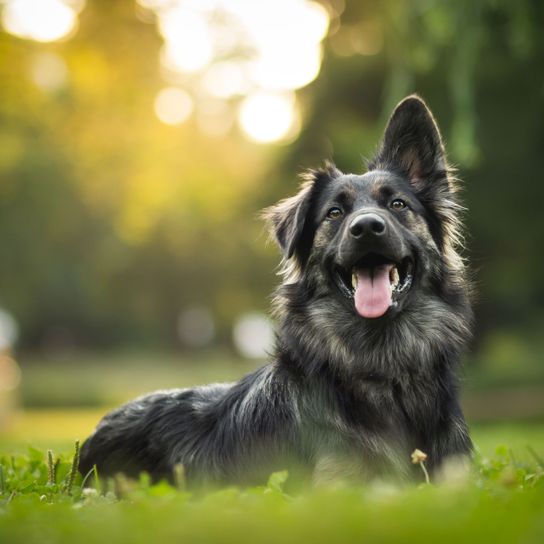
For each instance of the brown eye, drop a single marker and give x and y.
(398, 204)
(334, 213)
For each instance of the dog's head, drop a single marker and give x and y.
(368, 240)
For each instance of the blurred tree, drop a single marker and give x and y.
(111, 222)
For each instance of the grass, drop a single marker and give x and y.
(97, 379)
(106, 379)
(42, 500)
(501, 501)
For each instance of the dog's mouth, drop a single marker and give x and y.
(375, 283)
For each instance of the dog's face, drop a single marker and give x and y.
(370, 240)
(369, 230)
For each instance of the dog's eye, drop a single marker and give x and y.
(334, 213)
(398, 204)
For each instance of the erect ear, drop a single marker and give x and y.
(290, 219)
(412, 143)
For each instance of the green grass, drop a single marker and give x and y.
(42, 500)
(502, 500)
(97, 379)
(92, 379)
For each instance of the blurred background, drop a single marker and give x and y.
(139, 139)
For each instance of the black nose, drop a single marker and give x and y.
(367, 224)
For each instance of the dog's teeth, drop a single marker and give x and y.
(394, 277)
(354, 281)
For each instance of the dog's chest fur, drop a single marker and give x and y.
(370, 424)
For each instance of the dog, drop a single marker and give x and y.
(372, 316)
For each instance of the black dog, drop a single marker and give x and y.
(372, 316)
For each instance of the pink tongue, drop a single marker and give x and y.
(373, 293)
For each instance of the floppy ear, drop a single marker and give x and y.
(412, 144)
(290, 219)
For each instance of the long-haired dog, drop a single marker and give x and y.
(372, 316)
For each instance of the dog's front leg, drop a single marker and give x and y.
(450, 453)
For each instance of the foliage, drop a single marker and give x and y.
(111, 223)
(501, 501)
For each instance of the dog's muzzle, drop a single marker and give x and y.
(375, 270)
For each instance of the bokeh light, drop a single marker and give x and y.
(196, 327)
(269, 117)
(227, 79)
(253, 335)
(188, 43)
(8, 330)
(10, 374)
(282, 68)
(42, 20)
(173, 106)
(236, 50)
(48, 71)
(241, 49)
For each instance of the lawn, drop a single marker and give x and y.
(502, 500)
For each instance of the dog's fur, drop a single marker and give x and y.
(343, 395)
